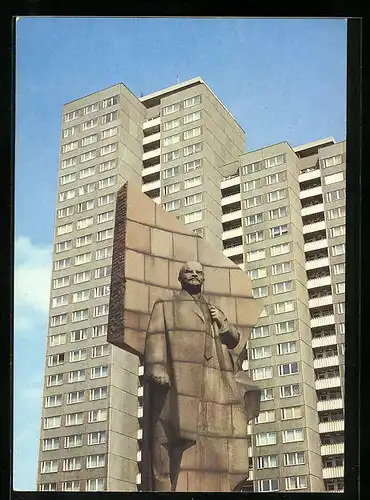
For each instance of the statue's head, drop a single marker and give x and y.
(191, 276)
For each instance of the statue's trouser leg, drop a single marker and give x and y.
(161, 467)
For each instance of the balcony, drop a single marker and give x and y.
(315, 226)
(333, 472)
(308, 193)
(157, 200)
(324, 341)
(250, 453)
(317, 263)
(326, 362)
(333, 426)
(320, 301)
(232, 233)
(306, 176)
(150, 186)
(327, 383)
(313, 209)
(230, 199)
(237, 214)
(330, 404)
(237, 250)
(153, 122)
(322, 321)
(151, 138)
(151, 154)
(332, 449)
(318, 282)
(234, 181)
(315, 245)
(151, 170)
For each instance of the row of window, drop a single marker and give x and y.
(273, 161)
(277, 288)
(89, 139)
(263, 331)
(76, 397)
(81, 241)
(187, 134)
(75, 463)
(271, 461)
(83, 277)
(192, 117)
(185, 168)
(78, 418)
(332, 161)
(80, 315)
(77, 376)
(177, 106)
(276, 269)
(90, 485)
(101, 184)
(89, 155)
(186, 151)
(266, 372)
(288, 413)
(187, 184)
(86, 257)
(338, 194)
(291, 483)
(78, 355)
(91, 108)
(78, 335)
(81, 295)
(282, 348)
(87, 222)
(89, 171)
(288, 436)
(285, 248)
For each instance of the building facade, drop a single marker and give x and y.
(278, 212)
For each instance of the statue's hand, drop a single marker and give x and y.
(217, 316)
(160, 377)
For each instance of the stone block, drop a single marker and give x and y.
(226, 304)
(137, 237)
(134, 265)
(248, 311)
(140, 208)
(156, 271)
(168, 222)
(185, 247)
(238, 456)
(155, 293)
(161, 243)
(131, 319)
(134, 341)
(210, 257)
(173, 274)
(188, 376)
(137, 296)
(216, 280)
(240, 284)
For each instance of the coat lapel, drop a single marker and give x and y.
(185, 296)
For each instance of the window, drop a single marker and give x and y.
(62, 264)
(58, 339)
(171, 155)
(95, 461)
(193, 217)
(338, 250)
(98, 415)
(267, 394)
(98, 393)
(62, 300)
(63, 246)
(193, 199)
(69, 162)
(283, 307)
(254, 237)
(99, 331)
(281, 268)
(101, 291)
(253, 202)
(70, 146)
(50, 444)
(107, 182)
(52, 422)
(340, 287)
(104, 253)
(171, 172)
(331, 179)
(172, 108)
(252, 168)
(192, 165)
(292, 435)
(282, 287)
(105, 216)
(77, 355)
(261, 352)
(339, 268)
(80, 315)
(341, 309)
(296, 482)
(99, 371)
(86, 189)
(252, 185)
(172, 188)
(260, 291)
(192, 182)
(110, 132)
(67, 195)
(71, 486)
(86, 205)
(254, 219)
(335, 195)
(274, 161)
(262, 373)
(71, 116)
(66, 228)
(60, 319)
(280, 249)
(288, 369)
(268, 485)
(73, 441)
(89, 124)
(109, 117)
(193, 101)
(77, 335)
(275, 178)
(192, 149)
(287, 391)
(89, 155)
(104, 235)
(278, 231)
(101, 310)
(259, 332)
(104, 200)
(61, 282)
(171, 124)
(332, 161)
(103, 272)
(287, 347)
(276, 195)
(256, 255)
(172, 139)
(291, 412)
(265, 416)
(341, 327)
(82, 277)
(336, 213)
(75, 397)
(56, 359)
(84, 223)
(76, 376)
(108, 149)
(90, 108)
(193, 132)
(83, 258)
(95, 484)
(65, 212)
(295, 458)
(337, 231)
(99, 351)
(111, 101)
(49, 466)
(90, 139)
(255, 274)
(84, 240)
(72, 463)
(192, 117)
(52, 401)
(267, 462)
(266, 438)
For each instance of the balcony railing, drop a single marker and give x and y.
(315, 226)
(306, 176)
(313, 209)
(151, 170)
(320, 301)
(317, 263)
(307, 193)
(324, 341)
(237, 214)
(232, 233)
(326, 362)
(237, 250)
(315, 245)
(234, 181)
(322, 321)
(327, 383)
(330, 404)
(151, 154)
(333, 472)
(151, 138)
(230, 199)
(152, 122)
(332, 449)
(318, 282)
(333, 426)
(250, 452)
(150, 186)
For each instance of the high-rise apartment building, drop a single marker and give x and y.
(278, 212)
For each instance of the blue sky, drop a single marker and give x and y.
(283, 80)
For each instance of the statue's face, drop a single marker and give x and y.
(191, 274)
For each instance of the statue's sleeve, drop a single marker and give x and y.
(229, 335)
(155, 354)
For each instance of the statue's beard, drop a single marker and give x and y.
(192, 288)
